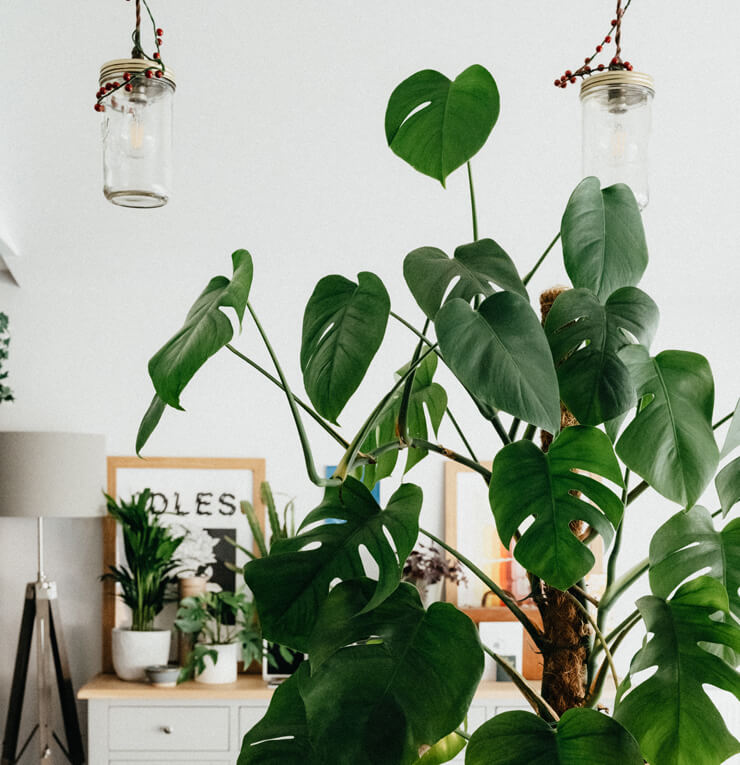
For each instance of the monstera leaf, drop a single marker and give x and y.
(427, 396)
(603, 239)
(343, 327)
(477, 267)
(529, 482)
(687, 544)
(670, 442)
(585, 338)
(732, 439)
(581, 737)
(389, 681)
(206, 330)
(149, 422)
(669, 713)
(281, 736)
(437, 125)
(500, 354)
(292, 582)
(727, 484)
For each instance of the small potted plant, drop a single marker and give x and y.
(223, 626)
(150, 549)
(427, 567)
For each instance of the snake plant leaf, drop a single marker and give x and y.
(604, 244)
(529, 482)
(398, 677)
(428, 400)
(149, 422)
(585, 339)
(291, 583)
(500, 354)
(437, 125)
(670, 442)
(581, 737)
(686, 544)
(443, 751)
(281, 736)
(727, 484)
(343, 327)
(669, 713)
(476, 267)
(732, 439)
(206, 330)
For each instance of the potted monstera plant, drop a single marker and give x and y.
(389, 681)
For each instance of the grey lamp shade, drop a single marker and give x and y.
(51, 474)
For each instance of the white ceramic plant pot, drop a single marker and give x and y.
(134, 651)
(224, 670)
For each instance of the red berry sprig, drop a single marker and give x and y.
(616, 63)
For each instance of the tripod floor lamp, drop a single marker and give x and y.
(47, 475)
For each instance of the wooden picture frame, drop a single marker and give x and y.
(455, 476)
(129, 474)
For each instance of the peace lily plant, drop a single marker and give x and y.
(391, 682)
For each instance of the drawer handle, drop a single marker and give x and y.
(166, 729)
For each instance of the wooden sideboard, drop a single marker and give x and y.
(135, 723)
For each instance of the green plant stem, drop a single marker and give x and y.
(529, 432)
(507, 600)
(597, 685)
(472, 203)
(528, 277)
(420, 443)
(515, 423)
(463, 734)
(460, 433)
(305, 445)
(540, 706)
(590, 598)
(407, 388)
(621, 584)
(306, 408)
(598, 632)
(722, 421)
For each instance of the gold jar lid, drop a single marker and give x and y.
(617, 78)
(116, 68)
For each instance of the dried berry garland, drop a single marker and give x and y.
(157, 70)
(616, 63)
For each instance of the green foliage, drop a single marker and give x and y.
(732, 439)
(727, 483)
(603, 239)
(581, 737)
(294, 580)
(443, 751)
(437, 125)
(670, 442)
(670, 713)
(343, 327)
(150, 551)
(6, 394)
(526, 481)
(477, 267)
(585, 337)
(500, 354)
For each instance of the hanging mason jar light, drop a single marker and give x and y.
(617, 115)
(135, 98)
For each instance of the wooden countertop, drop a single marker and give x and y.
(246, 687)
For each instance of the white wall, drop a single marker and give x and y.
(280, 149)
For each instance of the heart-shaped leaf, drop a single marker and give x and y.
(437, 125)
(398, 677)
(585, 338)
(343, 327)
(581, 737)
(670, 713)
(500, 354)
(206, 330)
(727, 484)
(670, 442)
(427, 397)
(292, 582)
(149, 422)
(732, 439)
(281, 736)
(477, 267)
(603, 239)
(529, 482)
(686, 544)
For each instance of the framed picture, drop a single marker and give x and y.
(200, 494)
(507, 640)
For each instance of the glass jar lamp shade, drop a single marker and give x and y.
(617, 114)
(137, 135)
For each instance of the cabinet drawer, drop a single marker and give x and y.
(168, 729)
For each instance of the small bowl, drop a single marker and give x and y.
(163, 675)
